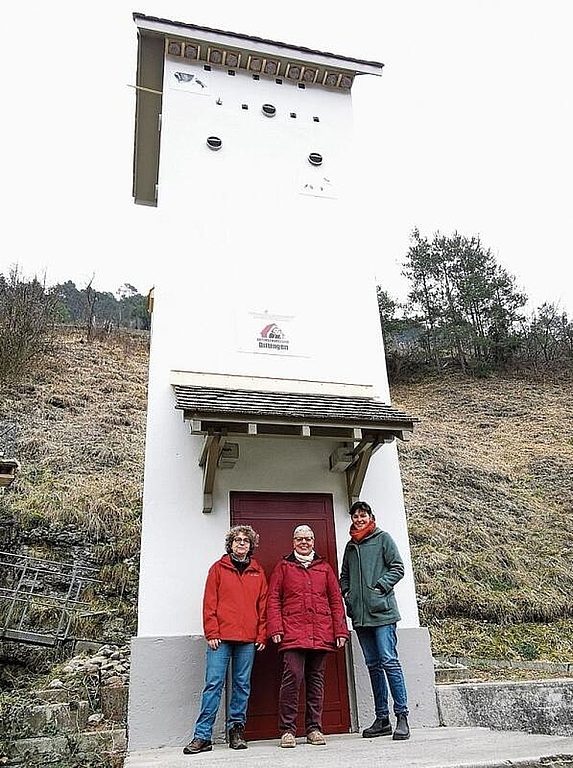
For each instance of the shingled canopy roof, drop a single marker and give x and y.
(360, 424)
(325, 415)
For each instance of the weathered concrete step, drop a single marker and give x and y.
(46, 750)
(427, 748)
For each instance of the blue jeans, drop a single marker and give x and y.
(217, 663)
(379, 648)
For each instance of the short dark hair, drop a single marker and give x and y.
(361, 505)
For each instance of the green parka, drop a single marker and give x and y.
(369, 571)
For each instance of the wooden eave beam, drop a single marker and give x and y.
(216, 423)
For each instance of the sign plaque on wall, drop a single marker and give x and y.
(267, 333)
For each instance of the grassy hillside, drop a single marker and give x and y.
(488, 481)
(81, 423)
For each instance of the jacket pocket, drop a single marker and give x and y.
(379, 603)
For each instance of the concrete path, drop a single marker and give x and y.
(427, 748)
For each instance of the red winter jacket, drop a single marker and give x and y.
(305, 605)
(234, 604)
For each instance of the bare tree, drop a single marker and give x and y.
(27, 316)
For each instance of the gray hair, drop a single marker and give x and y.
(306, 530)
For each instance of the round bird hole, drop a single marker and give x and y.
(214, 143)
(269, 110)
(315, 158)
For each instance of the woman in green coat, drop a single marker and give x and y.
(371, 566)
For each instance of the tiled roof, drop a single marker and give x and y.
(209, 402)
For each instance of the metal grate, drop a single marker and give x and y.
(40, 598)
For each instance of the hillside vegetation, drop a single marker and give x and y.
(488, 481)
(80, 427)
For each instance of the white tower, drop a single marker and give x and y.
(268, 394)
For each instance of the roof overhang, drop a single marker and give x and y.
(360, 424)
(253, 44)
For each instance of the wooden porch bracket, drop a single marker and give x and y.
(356, 472)
(212, 448)
(356, 469)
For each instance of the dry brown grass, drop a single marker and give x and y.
(488, 482)
(82, 423)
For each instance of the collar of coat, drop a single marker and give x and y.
(292, 559)
(228, 563)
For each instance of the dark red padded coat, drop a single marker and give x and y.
(305, 605)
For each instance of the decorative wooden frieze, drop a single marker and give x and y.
(272, 67)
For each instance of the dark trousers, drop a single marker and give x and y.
(298, 665)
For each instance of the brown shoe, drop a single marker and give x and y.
(236, 738)
(315, 738)
(288, 740)
(198, 745)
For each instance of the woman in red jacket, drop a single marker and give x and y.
(234, 623)
(306, 618)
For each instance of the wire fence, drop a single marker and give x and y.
(39, 599)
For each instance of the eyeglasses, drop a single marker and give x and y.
(304, 538)
(240, 540)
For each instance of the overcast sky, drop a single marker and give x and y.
(471, 126)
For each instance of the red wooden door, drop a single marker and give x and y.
(274, 516)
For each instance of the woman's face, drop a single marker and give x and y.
(240, 545)
(361, 518)
(303, 543)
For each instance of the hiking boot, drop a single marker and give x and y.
(315, 738)
(198, 745)
(236, 740)
(288, 740)
(402, 730)
(380, 727)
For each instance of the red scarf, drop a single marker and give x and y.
(357, 535)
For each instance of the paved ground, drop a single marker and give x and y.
(428, 748)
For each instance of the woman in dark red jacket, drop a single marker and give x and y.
(306, 618)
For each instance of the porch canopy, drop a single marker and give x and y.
(346, 414)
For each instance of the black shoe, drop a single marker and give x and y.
(380, 727)
(402, 730)
(198, 745)
(236, 740)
